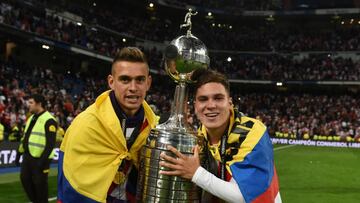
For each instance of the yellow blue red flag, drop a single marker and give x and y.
(92, 150)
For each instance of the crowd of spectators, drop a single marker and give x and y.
(58, 29)
(254, 67)
(270, 38)
(240, 5)
(304, 115)
(298, 114)
(67, 95)
(319, 67)
(262, 5)
(219, 35)
(275, 39)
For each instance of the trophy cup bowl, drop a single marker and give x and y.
(182, 56)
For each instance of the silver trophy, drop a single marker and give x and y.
(185, 54)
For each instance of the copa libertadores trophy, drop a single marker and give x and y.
(185, 54)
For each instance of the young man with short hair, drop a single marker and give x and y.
(238, 148)
(100, 152)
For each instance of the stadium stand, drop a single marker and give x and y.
(266, 52)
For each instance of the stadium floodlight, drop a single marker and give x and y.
(209, 15)
(44, 46)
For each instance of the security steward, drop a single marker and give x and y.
(37, 146)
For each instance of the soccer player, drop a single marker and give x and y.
(99, 154)
(238, 147)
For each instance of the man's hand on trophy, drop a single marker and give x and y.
(183, 165)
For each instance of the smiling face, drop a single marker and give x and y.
(212, 107)
(130, 81)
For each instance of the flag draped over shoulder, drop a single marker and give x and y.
(250, 161)
(253, 166)
(92, 150)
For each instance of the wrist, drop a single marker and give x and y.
(197, 174)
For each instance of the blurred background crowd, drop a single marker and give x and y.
(299, 75)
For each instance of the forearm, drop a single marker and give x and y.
(228, 191)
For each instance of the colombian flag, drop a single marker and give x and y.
(66, 193)
(249, 159)
(253, 166)
(92, 151)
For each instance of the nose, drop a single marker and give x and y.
(132, 86)
(211, 104)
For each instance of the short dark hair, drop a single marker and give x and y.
(203, 76)
(38, 98)
(132, 54)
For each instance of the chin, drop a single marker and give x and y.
(134, 107)
(210, 125)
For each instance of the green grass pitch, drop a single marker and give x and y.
(11, 190)
(318, 174)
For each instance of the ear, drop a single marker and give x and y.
(149, 82)
(111, 81)
(230, 101)
(195, 109)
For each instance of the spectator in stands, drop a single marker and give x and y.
(15, 132)
(357, 133)
(98, 160)
(238, 146)
(18, 79)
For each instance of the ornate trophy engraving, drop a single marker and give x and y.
(185, 54)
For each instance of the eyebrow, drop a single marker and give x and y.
(126, 77)
(209, 96)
